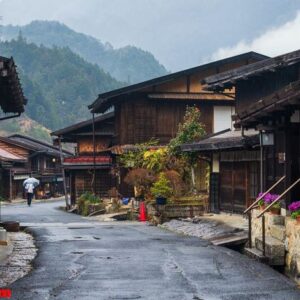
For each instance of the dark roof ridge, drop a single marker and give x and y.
(169, 77)
(79, 125)
(17, 135)
(218, 81)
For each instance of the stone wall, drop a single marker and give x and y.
(269, 219)
(292, 244)
(286, 230)
(174, 211)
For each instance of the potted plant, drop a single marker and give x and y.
(267, 200)
(270, 198)
(161, 189)
(294, 208)
(261, 203)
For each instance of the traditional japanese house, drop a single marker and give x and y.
(153, 109)
(24, 156)
(12, 100)
(234, 157)
(90, 155)
(267, 99)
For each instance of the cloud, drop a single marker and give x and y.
(276, 41)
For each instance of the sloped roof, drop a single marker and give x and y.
(228, 78)
(77, 126)
(8, 156)
(37, 145)
(104, 97)
(225, 140)
(12, 99)
(288, 96)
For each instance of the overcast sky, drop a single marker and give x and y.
(180, 33)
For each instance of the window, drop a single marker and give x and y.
(254, 179)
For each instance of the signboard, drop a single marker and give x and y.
(21, 177)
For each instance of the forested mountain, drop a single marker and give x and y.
(58, 83)
(128, 64)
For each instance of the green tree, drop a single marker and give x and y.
(190, 130)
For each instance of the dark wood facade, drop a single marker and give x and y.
(90, 168)
(153, 109)
(234, 168)
(272, 90)
(12, 99)
(32, 157)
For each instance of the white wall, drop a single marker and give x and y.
(222, 118)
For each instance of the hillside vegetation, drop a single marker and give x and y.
(128, 64)
(58, 83)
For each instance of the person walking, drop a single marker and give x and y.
(29, 191)
(29, 185)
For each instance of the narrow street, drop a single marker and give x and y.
(78, 259)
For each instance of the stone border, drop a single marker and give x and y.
(18, 262)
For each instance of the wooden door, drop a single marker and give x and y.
(233, 186)
(226, 184)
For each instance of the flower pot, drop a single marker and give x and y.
(298, 220)
(161, 201)
(275, 211)
(262, 207)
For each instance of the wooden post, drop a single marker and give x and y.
(63, 173)
(94, 156)
(261, 162)
(10, 185)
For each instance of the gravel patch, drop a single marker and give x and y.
(18, 263)
(200, 227)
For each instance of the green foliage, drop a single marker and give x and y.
(189, 131)
(261, 202)
(26, 126)
(127, 64)
(277, 205)
(85, 201)
(155, 160)
(162, 187)
(295, 214)
(135, 158)
(59, 84)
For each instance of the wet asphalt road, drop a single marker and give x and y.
(78, 259)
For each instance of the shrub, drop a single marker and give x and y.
(176, 182)
(162, 187)
(85, 201)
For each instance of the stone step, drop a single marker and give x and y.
(274, 250)
(276, 220)
(230, 240)
(256, 254)
(278, 232)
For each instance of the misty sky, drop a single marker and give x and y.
(180, 33)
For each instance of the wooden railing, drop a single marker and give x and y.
(249, 209)
(262, 214)
(279, 198)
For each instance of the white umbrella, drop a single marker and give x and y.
(31, 180)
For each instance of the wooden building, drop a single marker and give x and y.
(12, 100)
(234, 168)
(153, 109)
(80, 168)
(268, 100)
(23, 156)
